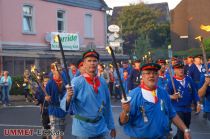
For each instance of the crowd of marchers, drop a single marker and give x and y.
(158, 93)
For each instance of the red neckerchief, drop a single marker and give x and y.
(93, 81)
(74, 72)
(142, 85)
(136, 68)
(125, 77)
(179, 78)
(58, 81)
(161, 75)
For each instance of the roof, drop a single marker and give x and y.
(163, 7)
(88, 4)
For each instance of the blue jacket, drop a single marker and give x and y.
(40, 96)
(125, 84)
(56, 95)
(188, 93)
(162, 82)
(8, 83)
(134, 79)
(158, 114)
(206, 102)
(195, 74)
(86, 103)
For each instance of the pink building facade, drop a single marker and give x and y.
(26, 27)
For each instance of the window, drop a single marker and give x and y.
(61, 21)
(88, 26)
(28, 19)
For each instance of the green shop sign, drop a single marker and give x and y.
(69, 41)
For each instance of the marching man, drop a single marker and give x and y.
(56, 89)
(149, 112)
(204, 91)
(90, 102)
(182, 99)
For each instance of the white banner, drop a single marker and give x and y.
(114, 44)
(70, 41)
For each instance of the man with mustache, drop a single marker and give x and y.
(148, 114)
(90, 102)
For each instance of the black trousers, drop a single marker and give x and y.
(206, 115)
(111, 85)
(186, 118)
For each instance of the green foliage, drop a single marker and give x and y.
(137, 19)
(207, 43)
(142, 46)
(160, 36)
(17, 90)
(141, 29)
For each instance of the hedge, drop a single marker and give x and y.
(17, 85)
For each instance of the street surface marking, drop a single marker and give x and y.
(22, 106)
(8, 125)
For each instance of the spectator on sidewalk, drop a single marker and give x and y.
(6, 83)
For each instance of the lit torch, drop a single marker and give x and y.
(57, 39)
(34, 73)
(206, 28)
(203, 52)
(17, 84)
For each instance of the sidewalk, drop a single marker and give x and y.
(16, 100)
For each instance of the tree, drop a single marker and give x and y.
(144, 48)
(160, 36)
(207, 43)
(140, 24)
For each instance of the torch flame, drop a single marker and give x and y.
(206, 28)
(108, 49)
(56, 38)
(198, 38)
(33, 68)
(17, 85)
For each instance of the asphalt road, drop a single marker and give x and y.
(23, 115)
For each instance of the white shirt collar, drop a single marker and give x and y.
(147, 95)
